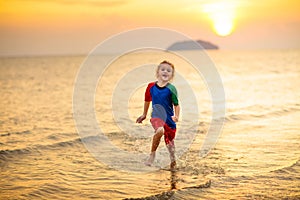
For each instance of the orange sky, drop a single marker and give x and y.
(76, 26)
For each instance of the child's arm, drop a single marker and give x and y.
(176, 115)
(144, 115)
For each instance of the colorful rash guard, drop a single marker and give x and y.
(163, 99)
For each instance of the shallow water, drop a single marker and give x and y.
(256, 157)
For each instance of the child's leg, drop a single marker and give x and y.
(156, 138)
(169, 140)
(155, 143)
(171, 148)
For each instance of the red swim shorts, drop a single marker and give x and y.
(169, 132)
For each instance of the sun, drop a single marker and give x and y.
(222, 17)
(223, 24)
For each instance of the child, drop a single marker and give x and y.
(164, 102)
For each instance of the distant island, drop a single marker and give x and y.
(191, 45)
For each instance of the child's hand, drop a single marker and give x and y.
(175, 119)
(140, 119)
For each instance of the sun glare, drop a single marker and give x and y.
(223, 24)
(222, 16)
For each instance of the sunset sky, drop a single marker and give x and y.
(41, 27)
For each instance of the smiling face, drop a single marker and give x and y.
(165, 72)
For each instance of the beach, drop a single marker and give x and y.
(256, 156)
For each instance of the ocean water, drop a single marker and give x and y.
(43, 155)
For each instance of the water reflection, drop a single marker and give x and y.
(174, 178)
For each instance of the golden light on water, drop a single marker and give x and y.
(222, 15)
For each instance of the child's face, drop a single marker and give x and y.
(165, 72)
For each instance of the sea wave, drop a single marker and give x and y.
(15, 133)
(173, 194)
(294, 167)
(9, 153)
(261, 112)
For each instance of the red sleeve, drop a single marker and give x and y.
(147, 93)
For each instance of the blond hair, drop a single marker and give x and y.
(168, 63)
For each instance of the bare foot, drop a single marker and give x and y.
(171, 148)
(150, 160)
